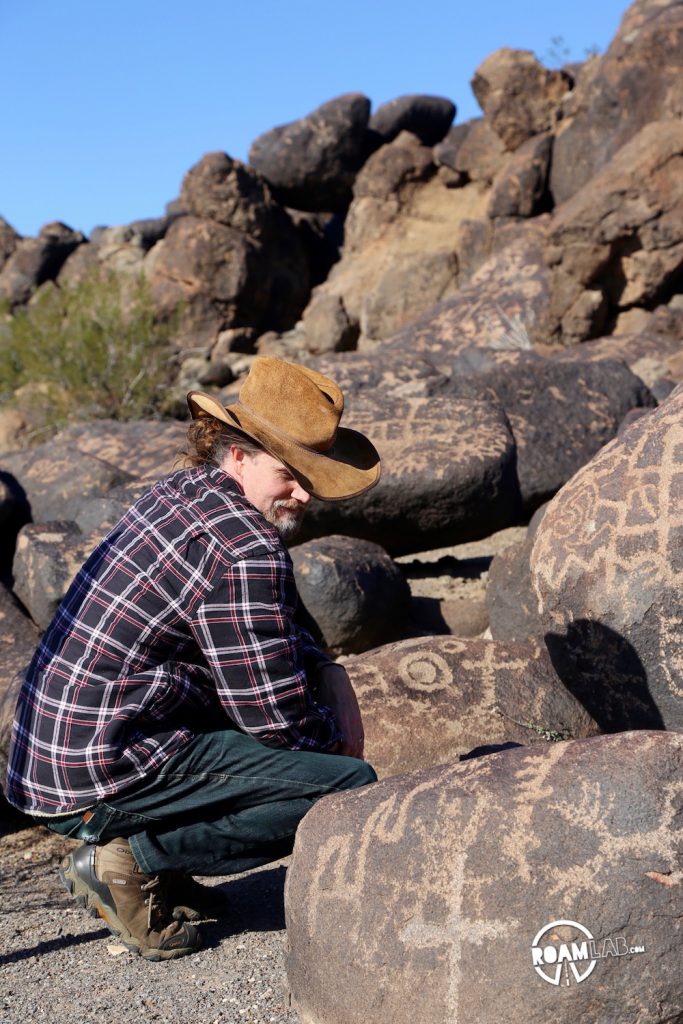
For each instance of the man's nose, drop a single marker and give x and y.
(300, 494)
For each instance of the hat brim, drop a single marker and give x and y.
(349, 468)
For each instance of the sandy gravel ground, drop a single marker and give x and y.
(61, 966)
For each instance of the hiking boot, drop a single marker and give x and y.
(189, 898)
(108, 882)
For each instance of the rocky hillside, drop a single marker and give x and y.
(501, 301)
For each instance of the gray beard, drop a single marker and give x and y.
(286, 517)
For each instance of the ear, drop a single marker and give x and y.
(238, 456)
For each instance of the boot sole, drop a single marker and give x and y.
(93, 905)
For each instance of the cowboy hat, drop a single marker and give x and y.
(294, 413)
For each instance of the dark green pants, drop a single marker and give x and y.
(224, 803)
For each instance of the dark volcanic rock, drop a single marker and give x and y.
(448, 475)
(618, 242)
(147, 449)
(18, 640)
(227, 191)
(311, 163)
(434, 876)
(478, 155)
(8, 241)
(560, 413)
(639, 79)
(47, 558)
(510, 597)
(428, 117)
(446, 152)
(519, 189)
(518, 95)
(608, 572)
(400, 375)
(36, 260)
(434, 699)
(356, 594)
(225, 278)
(57, 478)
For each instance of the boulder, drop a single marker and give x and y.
(638, 80)
(649, 354)
(560, 413)
(57, 478)
(227, 191)
(478, 154)
(356, 373)
(18, 640)
(409, 241)
(519, 188)
(618, 242)
(216, 275)
(607, 570)
(8, 241)
(144, 449)
(311, 163)
(36, 260)
(47, 558)
(434, 699)
(448, 475)
(427, 117)
(504, 305)
(519, 96)
(445, 153)
(534, 884)
(221, 276)
(356, 594)
(510, 598)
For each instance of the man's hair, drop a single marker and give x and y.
(209, 441)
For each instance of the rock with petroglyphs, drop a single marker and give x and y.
(504, 305)
(531, 885)
(56, 477)
(144, 449)
(607, 567)
(398, 374)
(448, 474)
(434, 699)
(560, 413)
(355, 593)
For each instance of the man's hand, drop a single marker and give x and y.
(336, 692)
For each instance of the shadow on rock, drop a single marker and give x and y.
(603, 671)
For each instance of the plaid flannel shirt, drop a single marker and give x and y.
(181, 620)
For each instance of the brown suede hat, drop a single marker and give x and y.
(294, 413)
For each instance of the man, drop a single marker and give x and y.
(175, 717)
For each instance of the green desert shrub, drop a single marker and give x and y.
(86, 350)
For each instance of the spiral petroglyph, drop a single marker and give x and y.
(434, 699)
(425, 671)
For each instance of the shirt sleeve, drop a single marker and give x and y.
(258, 655)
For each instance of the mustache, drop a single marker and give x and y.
(290, 504)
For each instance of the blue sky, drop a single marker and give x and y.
(108, 104)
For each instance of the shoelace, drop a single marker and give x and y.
(155, 900)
